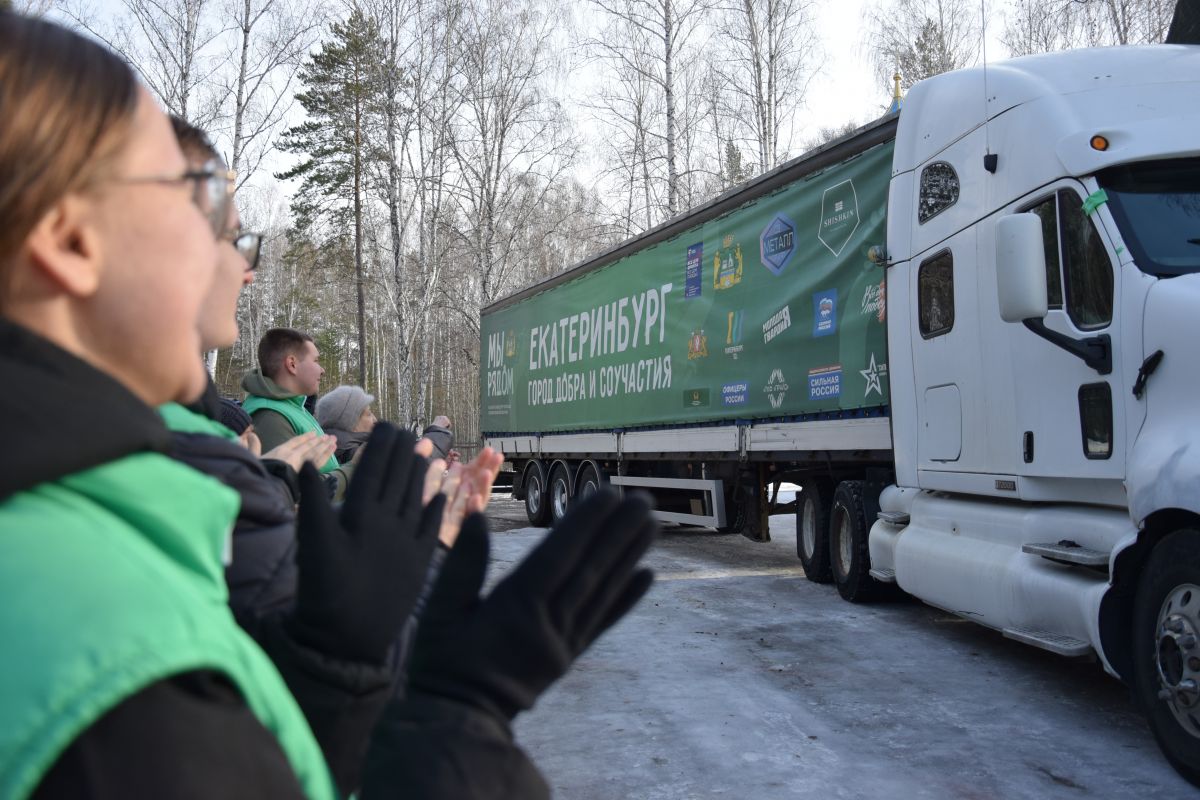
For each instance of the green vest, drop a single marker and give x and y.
(183, 420)
(112, 580)
(293, 410)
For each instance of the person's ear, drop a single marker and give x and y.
(65, 246)
(290, 362)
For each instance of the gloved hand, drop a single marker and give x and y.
(360, 572)
(500, 652)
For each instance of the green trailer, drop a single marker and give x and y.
(734, 347)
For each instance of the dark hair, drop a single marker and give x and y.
(276, 345)
(194, 143)
(67, 105)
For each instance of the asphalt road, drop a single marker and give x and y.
(736, 677)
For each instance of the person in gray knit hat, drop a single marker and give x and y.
(345, 412)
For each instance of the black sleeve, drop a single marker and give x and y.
(342, 700)
(190, 736)
(431, 748)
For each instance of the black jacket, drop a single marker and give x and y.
(442, 438)
(192, 735)
(348, 443)
(262, 575)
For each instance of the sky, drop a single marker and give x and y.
(844, 90)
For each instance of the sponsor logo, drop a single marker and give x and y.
(839, 216)
(874, 301)
(733, 333)
(697, 345)
(777, 243)
(873, 374)
(727, 264)
(501, 346)
(825, 313)
(825, 382)
(778, 322)
(776, 388)
(693, 271)
(734, 394)
(695, 398)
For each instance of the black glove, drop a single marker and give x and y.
(360, 573)
(500, 652)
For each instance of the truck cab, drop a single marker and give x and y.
(1043, 286)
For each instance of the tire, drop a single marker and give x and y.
(537, 507)
(1166, 619)
(812, 529)
(849, 555)
(589, 481)
(559, 499)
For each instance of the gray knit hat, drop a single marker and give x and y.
(341, 407)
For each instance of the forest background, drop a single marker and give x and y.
(411, 161)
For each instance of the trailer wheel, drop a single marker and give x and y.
(848, 549)
(1166, 649)
(588, 481)
(537, 507)
(560, 494)
(812, 530)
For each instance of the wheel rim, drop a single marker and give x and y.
(534, 493)
(808, 528)
(558, 494)
(1177, 655)
(843, 543)
(588, 487)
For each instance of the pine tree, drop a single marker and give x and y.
(339, 91)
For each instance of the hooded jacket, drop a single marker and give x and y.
(342, 700)
(442, 439)
(115, 620)
(279, 415)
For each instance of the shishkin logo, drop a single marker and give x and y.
(839, 216)
(733, 334)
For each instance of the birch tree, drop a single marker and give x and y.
(774, 55)
(171, 44)
(657, 38)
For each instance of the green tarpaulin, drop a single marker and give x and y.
(772, 310)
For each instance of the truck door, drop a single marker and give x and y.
(945, 348)
(1070, 420)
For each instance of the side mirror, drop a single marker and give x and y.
(1020, 268)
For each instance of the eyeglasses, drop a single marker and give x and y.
(212, 192)
(249, 247)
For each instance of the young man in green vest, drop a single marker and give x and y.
(289, 370)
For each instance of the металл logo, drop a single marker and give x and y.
(776, 243)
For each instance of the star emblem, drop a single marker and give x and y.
(872, 375)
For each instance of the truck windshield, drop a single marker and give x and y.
(1157, 207)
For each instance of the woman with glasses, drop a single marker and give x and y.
(341, 698)
(124, 673)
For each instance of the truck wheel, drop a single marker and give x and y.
(560, 494)
(848, 550)
(537, 507)
(1166, 649)
(812, 530)
(588, 481)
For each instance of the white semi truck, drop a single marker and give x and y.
(1024, 447)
